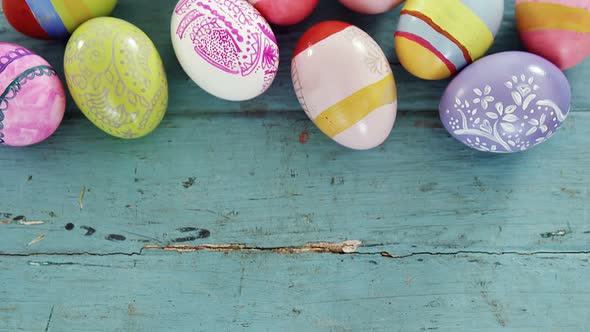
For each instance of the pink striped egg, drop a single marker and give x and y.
(371, 6)
(558, 30)
(344, 83)
(33, 103)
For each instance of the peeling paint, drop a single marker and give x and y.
(36, 240)
(22, 222)
(346, 247)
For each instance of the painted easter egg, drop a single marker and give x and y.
(53, 19)
(226, 47)
(285, 12)
(558, 30)
(33, 100)
(116, 77)
(371, 6)
(436, 39)
(345, 85)
(506, 102)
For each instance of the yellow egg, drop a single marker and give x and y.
(116, 77)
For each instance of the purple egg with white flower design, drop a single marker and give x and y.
(506, 102)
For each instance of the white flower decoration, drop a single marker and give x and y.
(483, 97)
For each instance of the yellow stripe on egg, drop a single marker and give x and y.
(71, 12)
(552, 16)
(354, 108)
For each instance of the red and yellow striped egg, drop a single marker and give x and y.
(436, 39)
(558, 30)
(344, 83)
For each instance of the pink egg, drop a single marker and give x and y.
(558, 30)
(371, 6)
(33, 100)
(285, 12)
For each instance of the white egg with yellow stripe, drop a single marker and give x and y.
(344, 83)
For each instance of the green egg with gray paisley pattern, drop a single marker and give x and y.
(116, 77)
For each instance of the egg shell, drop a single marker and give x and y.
(285, 12)
(344, 83)
(226, 47)
(116, 77)
(506, 102)
(558, 30)
(53, 19)
(436, 39)
(371, 6)
(33, 100)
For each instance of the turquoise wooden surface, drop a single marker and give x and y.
(240, 217)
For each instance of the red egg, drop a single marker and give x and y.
(285, 12)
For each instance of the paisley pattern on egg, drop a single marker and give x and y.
(226, 47)
(436, 39)
(285, 12)
(33, 101)
(558, 30)
(370, 6)
(116, 77)
(345, 85)
(506, 102)
(53, 19)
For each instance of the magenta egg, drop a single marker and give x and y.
(33, 100)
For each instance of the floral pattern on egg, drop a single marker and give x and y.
(518, 111)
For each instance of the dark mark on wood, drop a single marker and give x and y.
(30, 178)
(7, 215)
(189, 182)
(19, 218)
(587, 232)
(337, 181)
(374, 262)
(49, 320)
(140, 191)
(89, 230)
(115, 237)
(558, 233)
(69, 226)
(52, 214)
(479, 184)
(428, 187)
(201, 234)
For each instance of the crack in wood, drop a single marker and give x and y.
(346, 247)
(320, 248)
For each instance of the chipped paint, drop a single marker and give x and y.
(36, 240)
(22, 222)
(81, 197)
(346, 247)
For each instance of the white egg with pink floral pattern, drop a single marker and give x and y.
(226, 47)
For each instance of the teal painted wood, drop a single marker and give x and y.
(248, 180)
(414, 94)
(272, 292)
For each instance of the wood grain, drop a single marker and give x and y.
(249, 180)
(313, 292)
(414, 94)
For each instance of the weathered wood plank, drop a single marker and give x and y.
(314, 292)
(249, 180)
(154, 17)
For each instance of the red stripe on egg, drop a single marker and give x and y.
(318, 33)
(19, 15)
(424, 43)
